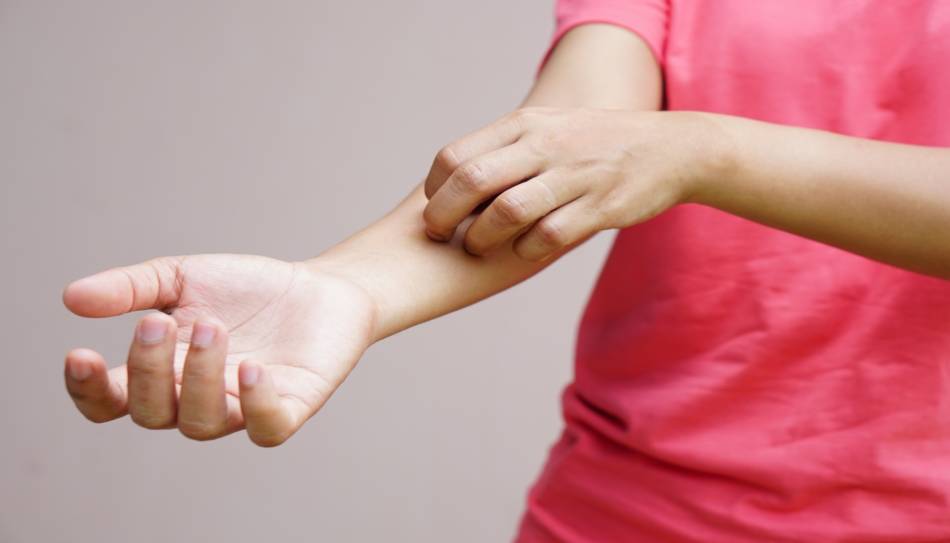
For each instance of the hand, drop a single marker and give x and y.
(247, 342)
(558, 176)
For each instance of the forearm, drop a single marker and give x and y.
(413, 279)
(886, 201)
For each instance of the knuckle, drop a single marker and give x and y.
(519, 120)
(517, 116)
(447, 158)
(524, 113)
(531, 115)
(537, 146)
(432, 219)
(200, 374)
(551, 234)
(549, 141)
(147, 370)
(471, 178)
(510, 209)
(162, 278)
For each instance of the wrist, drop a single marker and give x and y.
(361, 290)
(715, 158)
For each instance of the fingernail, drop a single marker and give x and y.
(80, 370)
(152, 331)
(437, 237)
(249, 374)
(202, 334)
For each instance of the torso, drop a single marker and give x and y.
(738, 383)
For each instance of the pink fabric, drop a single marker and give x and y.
(735, 383)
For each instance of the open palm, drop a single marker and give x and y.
(244, 342)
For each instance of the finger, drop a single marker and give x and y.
(268, 417)
(500, 133)
(516, 209)
(150, 285)
(99, 396)
(152, 372)
(202, 408)
(474, 182)
(558, 231)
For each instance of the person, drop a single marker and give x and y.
(766, 354)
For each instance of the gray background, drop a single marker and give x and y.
(138, 129)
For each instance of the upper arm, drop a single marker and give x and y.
(605, 55)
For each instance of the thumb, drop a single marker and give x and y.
(154, 284)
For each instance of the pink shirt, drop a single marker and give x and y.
(735, 383)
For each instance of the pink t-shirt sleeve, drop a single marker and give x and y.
(646, 18)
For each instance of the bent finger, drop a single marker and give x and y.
(202, 408)
(152, 395)
(474, 182)
(500, 133)
(558, 232)
(268, 418)
(516, 209)
(98, 393)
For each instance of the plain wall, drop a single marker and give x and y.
(132, 129)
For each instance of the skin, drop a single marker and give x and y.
(287, 334)
(248, 342)
(556, 176)
(586, 152)
(553, 176)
